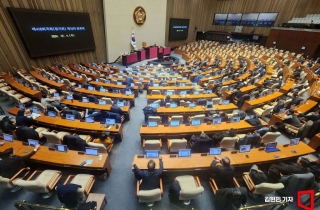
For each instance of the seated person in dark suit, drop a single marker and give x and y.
(262, 131)
(24, 118)
(24, 133)
(223, 174)
(116, 109)
(149, 178)
(166, 100)
(93, 99)
(56, 103)
(291, 118)
(311, 116)
(77, 115)
(301, 167)
(258, 176)
(315, 166)
(201, 143)
(217, 138)
(74, 142)
(7, 125)
(11, 164)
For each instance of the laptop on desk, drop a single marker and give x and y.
(184, 152)
(174, 123)
(61, 148)
(89, 119)
(272, 147)
(70, 117)
(216, 121)
(92, 151)
(195, 122)
(32, 142)
(215, 151)
(244, 148)
(152, 153)
(152, 124)
(7, 137)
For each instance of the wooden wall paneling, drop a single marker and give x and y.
(13, 52)
(202, 14)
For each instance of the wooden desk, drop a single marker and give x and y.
(34, 94)
(181, 131)
(111, 85)
(243, 90)
(187, 111)
(301, 109)
(164, 88)
(67, 76)
(103, 94)
(116, 69)
(48, 82)
(198, 162)
(287, 86)
(260, 101)
(73, 126)
(90, 105)
(315, 141)
(180, 97)
(70, 158)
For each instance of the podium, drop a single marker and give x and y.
(152, 52)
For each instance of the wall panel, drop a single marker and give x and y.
(201, 13)
(13, 52)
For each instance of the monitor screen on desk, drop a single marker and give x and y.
(152, 153)
(79, 86)
(34, 88)
(174, 123)
(196, 92)
(119, 83)
(231, 88)
(89, 119)
(21, 106)
(120, 103)
(7, 137)
(152, 124)
(170, 93)
(173, 78)
(51, 113)
(155, 84)
(195, 122)
(107, 81)
(209, 91)
(244, 148)
(102, 102)
(272, 145)
(154, 105)
(69, 116)
(35, 110)
(235, 119)
(26, 85)
(209, 103)
(85, 100)
(90, 88)
(252, 97)
(294, 141)
(173, 105)
(183, 92)
(120, 76)
(56, 94)
(184, 152)
(115, 91)
(253, 116)
(192, 105)
(69, 97)
(226, 102)
(182, 84)
(282, 110)
(103, 90)
(110, 121)
(128, 92)
(216, 121)
(92, 151)
(215, 151)
(61, 148)
(32, 142)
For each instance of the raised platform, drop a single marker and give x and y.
(166, 61)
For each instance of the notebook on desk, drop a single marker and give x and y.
(272, 147)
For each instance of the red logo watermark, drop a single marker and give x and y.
(299, 201)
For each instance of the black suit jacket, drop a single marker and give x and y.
(150, 180)
(223, 175)
(12, 165)
(116, 109)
